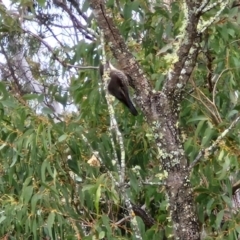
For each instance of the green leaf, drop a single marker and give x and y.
(50, 221)
(43, 170)
(209, 206)
(207, 136)
(219, 219)
(225, 168)
(61, 99)
(134, 183)
(9, 103)
(198, 118)
(46, 110)
(3, 90)
(97, 198)
(199, 128)
(236, 62)
(227, 200)
(106, 224)
(85, 6)
(237, 228)
(27, 194)
(40, 98)
(30, 96)
(41, 2)
(34, 201)
(62, 138)
(88, 187)
(14, 160)
(34, 228)
(2, 218)
(101, 235)
(2, 146)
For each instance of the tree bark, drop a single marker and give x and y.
(162, 112)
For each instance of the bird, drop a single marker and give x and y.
(118, 87)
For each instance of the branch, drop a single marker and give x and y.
(206, 24)
(121, 52)
(147, 218)
(83, 29)
(76, 5)
(162, 115)
(23, 78)
(202, 6)
(12, 72)
(213, 5)
(114, 127)
(62, 62)
(113, 121)
(184, 59)
(209, 105)
(216, 82)
(212, 148)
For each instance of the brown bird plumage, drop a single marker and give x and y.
(118, 87)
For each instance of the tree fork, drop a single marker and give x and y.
(162, 112)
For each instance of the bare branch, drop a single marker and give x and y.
(87, 32)
(62, 62)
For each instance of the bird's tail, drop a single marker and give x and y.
(131, 107)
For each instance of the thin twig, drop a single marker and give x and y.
(62, 62)
(216, 82)
(215, 144)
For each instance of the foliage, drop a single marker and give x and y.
(50, 190)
